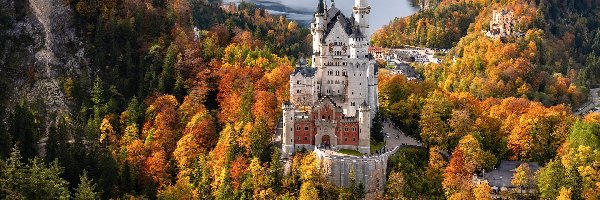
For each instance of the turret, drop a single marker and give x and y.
(361, 12)
(318, 26)
(287, 135)
(364, 123)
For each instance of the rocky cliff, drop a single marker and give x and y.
(39, 50)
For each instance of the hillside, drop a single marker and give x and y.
(497, 98)
(139, 98)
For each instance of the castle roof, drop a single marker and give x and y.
(357, 33)
(364, 104)
(305, 71)
(320, 7)
(334, 15)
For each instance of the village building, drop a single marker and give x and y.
(500, 179)
(333, 101)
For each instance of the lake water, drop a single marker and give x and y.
(382, 11)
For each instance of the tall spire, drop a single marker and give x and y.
(321, 7)
(332, 3)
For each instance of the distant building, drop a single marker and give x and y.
(406, 70)
(501, 25)
(427, 4)
(500, 179)
(377, 52)
(229, 8)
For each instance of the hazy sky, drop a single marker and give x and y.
(382, 11)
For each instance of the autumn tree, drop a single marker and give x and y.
(483, 191)
(523, 177)
(457, 176)
(436, 111)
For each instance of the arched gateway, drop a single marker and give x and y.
(326, 141)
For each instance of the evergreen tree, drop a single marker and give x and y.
(276, 170)
(167, 76)
(33, 181)
(377, 128)
(260, 138)
(24, 129)
(246, 104)
(5, 140)
(85, 189)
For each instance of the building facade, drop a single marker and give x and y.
(501, 25)
(333, 100)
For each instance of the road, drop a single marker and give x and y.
(595, 100)
(397, 137)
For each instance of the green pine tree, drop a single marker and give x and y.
(85, 189)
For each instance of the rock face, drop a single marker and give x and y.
(40, 49)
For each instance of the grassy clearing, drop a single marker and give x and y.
(350, 152)
(375, 147)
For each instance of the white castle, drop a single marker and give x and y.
(333, 101)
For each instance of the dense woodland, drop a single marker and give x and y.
(492, 100)
(164, 112)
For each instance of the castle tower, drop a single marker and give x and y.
(318, 27)
(358, 44)
(361, 11)
(287, 136)
(364, 120)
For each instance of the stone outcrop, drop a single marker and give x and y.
(40, 50)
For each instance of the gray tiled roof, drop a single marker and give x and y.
(305, 71)
(503, 174)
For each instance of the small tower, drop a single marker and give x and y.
(318, 27)
(361, 11)
(364, 123)
(287, 135)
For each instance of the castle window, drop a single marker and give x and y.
(323, 117)
(306, 128)
(305, 138)
(298, 82)
(291, 140)
(346, 139)
(353, 139)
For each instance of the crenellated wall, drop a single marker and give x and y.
(370, 171)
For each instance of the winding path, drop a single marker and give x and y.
(594, 101)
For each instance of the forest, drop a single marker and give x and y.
(180, 100)
(491, 100)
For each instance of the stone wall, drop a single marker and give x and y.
(370, 171)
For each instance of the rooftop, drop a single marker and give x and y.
(503, 174)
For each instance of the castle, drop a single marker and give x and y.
(333, 101)
(501, 25)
